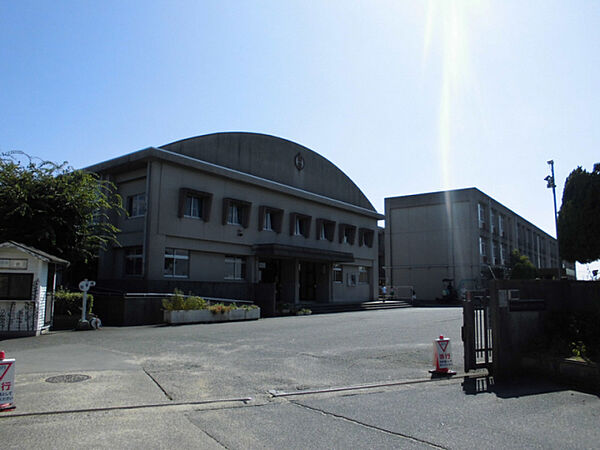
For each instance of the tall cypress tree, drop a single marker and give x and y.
(579, 216)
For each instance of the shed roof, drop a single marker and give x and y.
(39, 254)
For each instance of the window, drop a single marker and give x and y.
(300, 224)
(501, 225)
(234, 215)
(493, 221)
(325, 229)
(270, 219)
(365, 237)
(177, 263)
(136, 205)
(338, 274)
(236, 212)
(194, 204)
(134, 259)
(16, 286)
(299, 228)
(235, 268)
(481, 215)
(495, 254)
(347, 233)
(482, 249)
(363, 275)
(503, 254)
(268, 226)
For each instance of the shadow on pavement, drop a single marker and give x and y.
(518, 387)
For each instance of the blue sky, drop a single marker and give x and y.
(403, 96)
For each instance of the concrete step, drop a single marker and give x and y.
(344, 307)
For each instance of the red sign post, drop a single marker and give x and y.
(7, 383)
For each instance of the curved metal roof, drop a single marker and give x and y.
(275, 159)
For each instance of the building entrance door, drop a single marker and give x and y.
(270, 272)
(308, 281)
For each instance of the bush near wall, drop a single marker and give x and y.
(574, 334)
(180, 302)
(69, 303)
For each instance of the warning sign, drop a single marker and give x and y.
(7, 383)
(443, 355)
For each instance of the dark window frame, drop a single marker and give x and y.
(329, 229)
(304, 222)
(276, 218)
(244, 209)
(347, 231)
(366, 237)
(206, 198)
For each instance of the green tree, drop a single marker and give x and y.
(579, 216)
(56, 209)
(521, 268)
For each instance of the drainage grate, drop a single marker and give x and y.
(71, 378)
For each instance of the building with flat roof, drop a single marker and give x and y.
(462, 235)
(229, 214)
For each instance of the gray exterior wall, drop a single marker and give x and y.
(437, 235)
(161, 174)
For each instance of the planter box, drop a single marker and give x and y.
(205, 316)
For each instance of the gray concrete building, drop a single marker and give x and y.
(221, 214)
(461, 235)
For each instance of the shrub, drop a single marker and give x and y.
(220, 308)
(249, 307)
(69, 303)
(181, 302)
(574, 334)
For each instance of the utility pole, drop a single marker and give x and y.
(551, 184)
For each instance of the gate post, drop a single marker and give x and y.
(468, 334)
(500, 335)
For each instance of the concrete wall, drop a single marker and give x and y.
(210, 241)
(434, 236)
(517, 330)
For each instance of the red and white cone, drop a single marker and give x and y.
(442, 357)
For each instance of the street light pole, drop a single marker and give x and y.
(551, 184)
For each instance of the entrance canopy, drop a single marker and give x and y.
(293, 251)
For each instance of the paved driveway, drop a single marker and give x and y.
(207, 386)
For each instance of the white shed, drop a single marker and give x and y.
(27, 283)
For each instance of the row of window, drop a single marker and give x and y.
(499, 252)
(177, 265)
(527, 240)
(498, 223)
(197, 205)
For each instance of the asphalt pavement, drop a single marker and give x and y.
(349, 380)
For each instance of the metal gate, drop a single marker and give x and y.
(477, 331)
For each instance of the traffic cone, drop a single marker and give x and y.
(442, 357)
